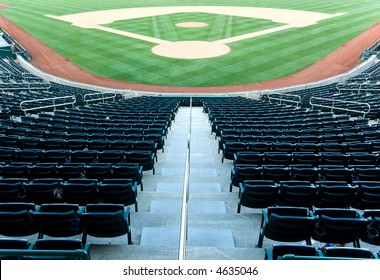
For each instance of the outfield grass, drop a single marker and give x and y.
(252, 60)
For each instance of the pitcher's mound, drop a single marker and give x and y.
(191, 49)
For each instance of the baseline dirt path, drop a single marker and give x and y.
(338, 62)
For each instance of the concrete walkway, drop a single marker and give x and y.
(215, 230)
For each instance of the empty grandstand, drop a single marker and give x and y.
(89, 172)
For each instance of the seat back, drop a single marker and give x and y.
(118, 192)
(105, 220)
(289, 228)
(258, 194)
(296, 193)
(367, 195)
(334, 195)
(340, 230)
(348, 252)
(18, 223)
(279, 250)
(81, 192)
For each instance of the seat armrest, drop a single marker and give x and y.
(241, 187)
(265, 216)
(268, 254)
(134, 187)
(127, 214)
(233, 170)
(319, 253)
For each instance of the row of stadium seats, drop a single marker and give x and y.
(361, 195)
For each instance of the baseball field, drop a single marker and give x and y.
(193, 43)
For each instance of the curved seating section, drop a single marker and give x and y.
(74, 172)
(314, 174)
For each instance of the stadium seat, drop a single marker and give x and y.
(52, 144)
(42, 170)
(98, 171)
(12, 189)
(105, 220)
(336, 173)
(80, 191)
(278, 159)
(250, 158)
(372, 233)
(297, 194)
(83, 156)
(56, 156)
(366, 173)
(334, 194)
(349, 252)
(111, 156)
(230, 148)
(257, 194)
(15, 219)
(367, 195)
(119, 191)
(29, 155)
(339, 226)
(276, 173)
(287, 224)
(279, 250)
(128, 171)
(70, 170)
(143, 158)
(57, 220)
(40, 191)
(305, 159)
(242, 172)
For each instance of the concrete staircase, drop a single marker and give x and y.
(215, 230)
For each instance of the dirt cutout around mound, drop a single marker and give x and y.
(49, 61)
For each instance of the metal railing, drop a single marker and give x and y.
(335, 106)
(70, 100)
(19, 49)
(284, 98)
(99, 96)
(185, 197)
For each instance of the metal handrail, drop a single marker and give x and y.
(333, 105)
(102, 97)
(53, 105)
(185, 197)
(281, 98)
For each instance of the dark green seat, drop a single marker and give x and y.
(287, 224)
(105, 220)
